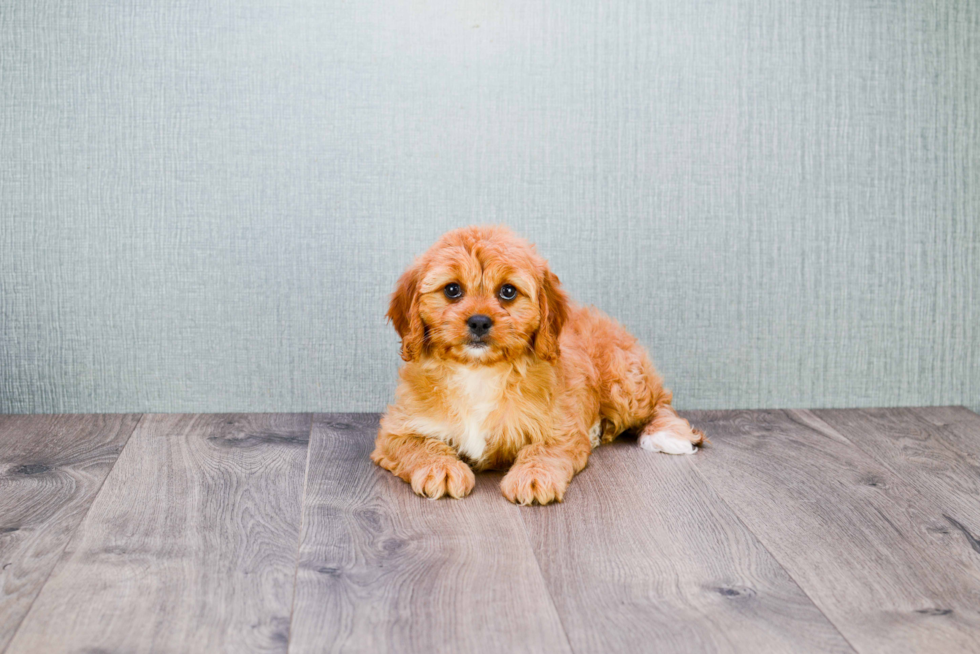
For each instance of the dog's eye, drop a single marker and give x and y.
(453, 291)
(507, 292)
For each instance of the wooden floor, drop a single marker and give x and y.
(794, 531)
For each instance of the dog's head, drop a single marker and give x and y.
(479, 295)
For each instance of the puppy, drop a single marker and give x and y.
(503, 370)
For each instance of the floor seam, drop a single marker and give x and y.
(761, 542)
(302, 527)
(941, 508)
(74, 532)
(911, 411)
(913, 487)
(544, 582)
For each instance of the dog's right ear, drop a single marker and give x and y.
(403, 312)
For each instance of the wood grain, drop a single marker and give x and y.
(942, 465)
(642, 551)
(875, 556)
(189, 547)
(962, 425)
(381, 569)
(793, 531)
(51, 468)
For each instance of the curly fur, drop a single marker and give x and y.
(551, 374)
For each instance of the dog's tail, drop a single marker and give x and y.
(669, 433)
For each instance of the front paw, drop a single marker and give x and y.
(527, 484)
(378, 456)
(444, 476)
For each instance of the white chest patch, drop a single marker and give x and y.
(477, 392)
(473, 393)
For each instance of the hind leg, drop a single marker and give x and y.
(637, 400)
(667, 432)
(631, 393)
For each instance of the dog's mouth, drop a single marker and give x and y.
(479, 341)
(477, 349)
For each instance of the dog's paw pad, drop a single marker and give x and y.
(664, 441)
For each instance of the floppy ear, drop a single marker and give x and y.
(553, 308)
(403, 312)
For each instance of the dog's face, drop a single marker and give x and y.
(480, 295)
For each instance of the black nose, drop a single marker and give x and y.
(479, 324)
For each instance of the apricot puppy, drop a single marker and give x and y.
(503, 370)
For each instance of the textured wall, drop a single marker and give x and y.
(205, 204)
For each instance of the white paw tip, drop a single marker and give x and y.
(663, 441)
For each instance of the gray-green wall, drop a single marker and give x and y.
(205, 204)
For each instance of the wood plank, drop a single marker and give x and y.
(952, 415)
(51, 468)
(874, 555)
(942, 465)
(961, 427)
(381, 569)
(642, 551)
(189, 547)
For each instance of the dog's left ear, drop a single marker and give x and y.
(553, 309)
(403, 312)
